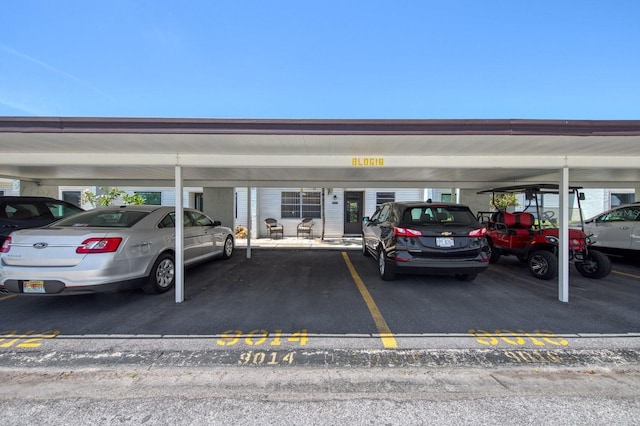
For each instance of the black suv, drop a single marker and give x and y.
(432, 238)
(31, 212)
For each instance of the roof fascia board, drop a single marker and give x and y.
(319, 127)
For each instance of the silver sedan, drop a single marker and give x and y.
(617, 230)
(109, 248)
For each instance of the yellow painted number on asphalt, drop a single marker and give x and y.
(265, 358)
(522, 357)
(517, 338)
(261, 337)
(30, 339)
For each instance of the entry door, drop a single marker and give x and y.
(353, 212)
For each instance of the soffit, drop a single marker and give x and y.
(417, 153)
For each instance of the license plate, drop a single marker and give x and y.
(33, 286)
(444, 241)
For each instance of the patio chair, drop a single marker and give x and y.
(305, 227)
(273, 227)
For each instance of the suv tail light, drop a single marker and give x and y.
(6, 246)
(478, 233)
(406, 232)
(99, 245)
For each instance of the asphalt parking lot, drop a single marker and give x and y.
(333, 299)
(307, 329)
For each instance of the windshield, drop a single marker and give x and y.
(438, 215)
(104, 218)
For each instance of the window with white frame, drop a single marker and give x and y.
(299, 205)
(617, 199)
(73, 197)
(384, 197)
(151, 198)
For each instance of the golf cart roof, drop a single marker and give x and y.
(536, 188)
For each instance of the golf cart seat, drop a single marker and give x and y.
(514, 223)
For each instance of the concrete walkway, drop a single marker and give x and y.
(344, 243)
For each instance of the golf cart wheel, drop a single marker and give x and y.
(162, 276)
(386, 270)
(543, 264)
(596, 265)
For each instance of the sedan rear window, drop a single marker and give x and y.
(104, 218)
(438, 215)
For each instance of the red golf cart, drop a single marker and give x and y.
(532, 234)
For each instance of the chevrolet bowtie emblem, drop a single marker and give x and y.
(447, 233)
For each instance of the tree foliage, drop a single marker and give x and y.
(110, 197)
(502, 201)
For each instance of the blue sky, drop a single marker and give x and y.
(321, 59)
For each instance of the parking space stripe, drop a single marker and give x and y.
(388, 340)
(626, 274)
(7, 297)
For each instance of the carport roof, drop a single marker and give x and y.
(318, 153)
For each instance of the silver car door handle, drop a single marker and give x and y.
(624, 227)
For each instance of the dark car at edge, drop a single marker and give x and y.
(22, 212)
(423, 237)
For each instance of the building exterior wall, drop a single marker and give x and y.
(269, 206)
(266, 202)
(9, 187)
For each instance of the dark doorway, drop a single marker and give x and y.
(353, 208)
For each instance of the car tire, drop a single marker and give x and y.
(365, 252)
(386, 269)
(596, 265)
(227, 249)
(163, 275)
(543, 264)
(466, 277)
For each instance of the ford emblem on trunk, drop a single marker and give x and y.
(40, 245)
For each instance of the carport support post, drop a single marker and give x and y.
(249, 222)
(563, 255)
(179, 242)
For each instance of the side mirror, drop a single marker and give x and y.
(217, 223)
(365, 219)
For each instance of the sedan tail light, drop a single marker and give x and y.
(406, 232)
(6, 246)
(478, 233)
(99, 245)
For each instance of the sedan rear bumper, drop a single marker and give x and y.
(52, 287)
(441, 266)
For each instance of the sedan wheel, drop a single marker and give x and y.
(162, 277)
(365, 252)
(227, 251)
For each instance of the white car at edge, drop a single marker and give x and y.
(109, 248)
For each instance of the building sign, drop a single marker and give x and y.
(367, 162)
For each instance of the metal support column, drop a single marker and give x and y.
(249, 221)
(563, 234)
(179, 243)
